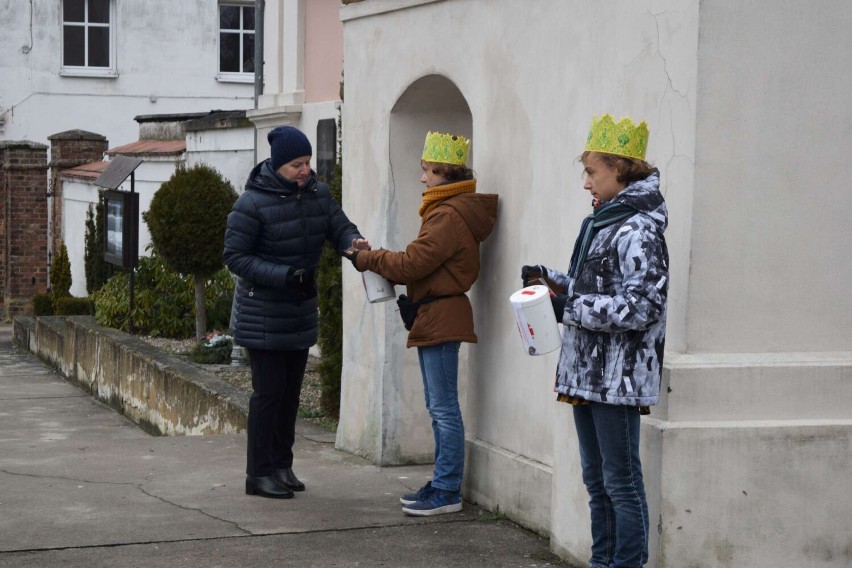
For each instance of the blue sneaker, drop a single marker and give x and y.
(415, 496)
(437, 502)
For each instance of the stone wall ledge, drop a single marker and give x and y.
(162, 393)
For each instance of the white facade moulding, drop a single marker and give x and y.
(283, 54)
(235, 77)
(278, 100)
(275, 116)
(88, 72)
(293, 55)
(366, 9)
(153, 158)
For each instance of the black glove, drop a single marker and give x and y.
(559, 301)
(300, 279)
(532, 273)
(351, 254)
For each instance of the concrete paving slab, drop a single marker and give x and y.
(14, 364)
(55, 512)
(55, 418)
(466, 544)
(18, 387)
(17, 371)
(343, 491)
(80, 485)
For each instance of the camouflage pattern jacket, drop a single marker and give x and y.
(615, 318)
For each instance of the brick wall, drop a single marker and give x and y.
(67, 150)
(23, 225)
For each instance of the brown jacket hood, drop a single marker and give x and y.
(479, 211)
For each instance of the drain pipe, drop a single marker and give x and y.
(238, 356)
(258, 59)
(7, 246)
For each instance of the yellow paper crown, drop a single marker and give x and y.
(446, 149)
(622, 138)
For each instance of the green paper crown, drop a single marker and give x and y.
(446, 149)
(622, 138)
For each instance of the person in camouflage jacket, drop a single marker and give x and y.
(612, 304)
(615, 313)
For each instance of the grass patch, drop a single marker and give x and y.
(318, 417)
(492, 516)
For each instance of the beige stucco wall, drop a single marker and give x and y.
(531, 95)
(769, 270)
(747, 113)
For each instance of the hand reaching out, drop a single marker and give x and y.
(351, 254)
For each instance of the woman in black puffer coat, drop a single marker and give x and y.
(273, 242)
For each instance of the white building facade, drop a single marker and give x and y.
(746, 456)
(96, 64)
(223, 141)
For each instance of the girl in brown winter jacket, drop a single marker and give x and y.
(438, 268)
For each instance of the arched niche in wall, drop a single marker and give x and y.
(431, 103)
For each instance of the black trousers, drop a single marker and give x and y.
(276, 379)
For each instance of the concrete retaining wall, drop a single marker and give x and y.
(160, 392)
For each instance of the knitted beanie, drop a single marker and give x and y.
(286, 144)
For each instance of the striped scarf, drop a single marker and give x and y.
(434, 195)
(605, 215)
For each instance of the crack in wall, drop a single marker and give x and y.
(659, 52)
(666, 100)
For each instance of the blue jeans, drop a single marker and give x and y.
(609, 453)
(439, 365)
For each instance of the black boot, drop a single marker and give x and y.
(287, 478)
(266, 487)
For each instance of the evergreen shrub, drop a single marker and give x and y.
(43, 304)
(97, 269)
(60, 275)
(163, 300)
(330, 290)
(71, 306)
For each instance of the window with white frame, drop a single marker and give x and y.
(236, 41)
(88, 42)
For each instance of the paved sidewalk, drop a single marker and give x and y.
(82, 486)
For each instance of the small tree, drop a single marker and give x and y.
(60, 275)
(98, 271)
(330, 288)
(187, 221)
